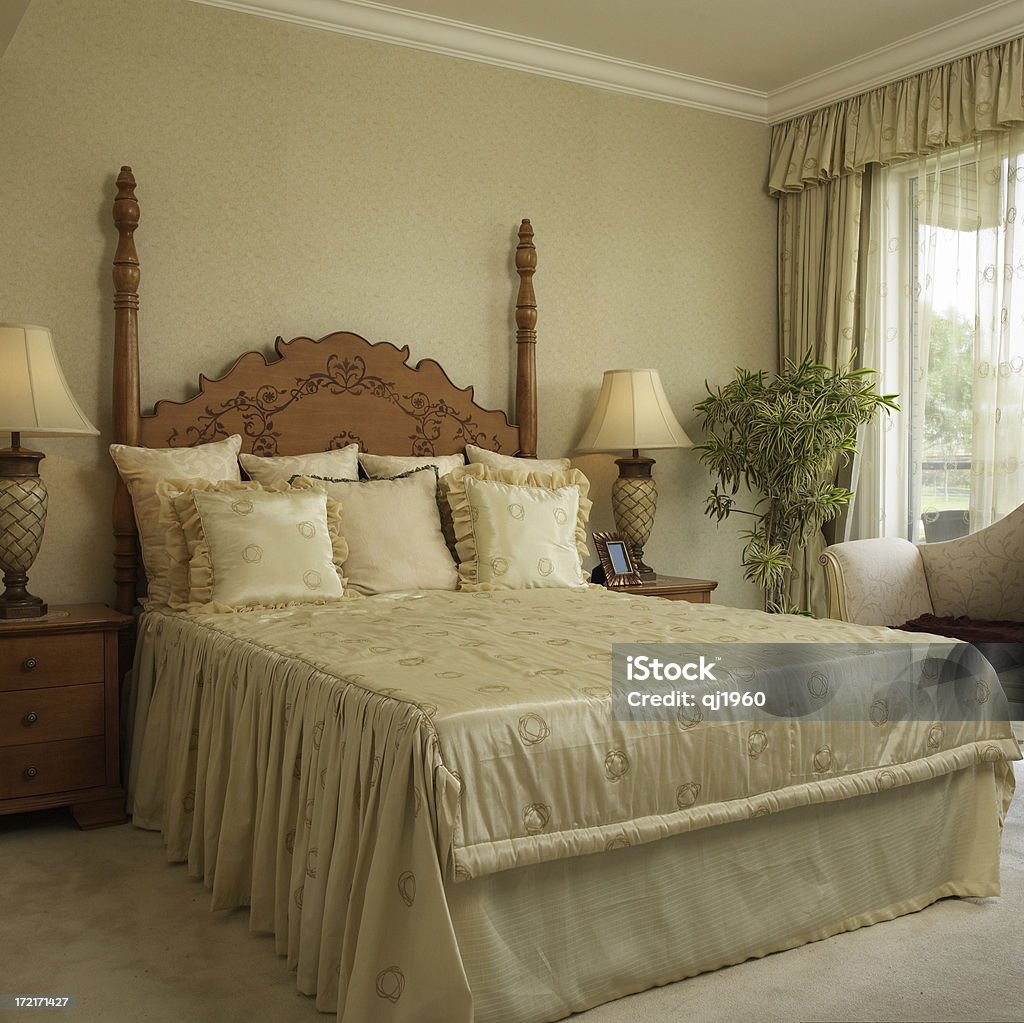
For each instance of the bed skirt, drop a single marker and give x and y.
(541, 942)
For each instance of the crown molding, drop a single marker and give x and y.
(969, 33)
(366, 19)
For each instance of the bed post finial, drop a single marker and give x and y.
(127, 407)
(526, 343)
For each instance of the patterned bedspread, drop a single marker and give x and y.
(337, 766)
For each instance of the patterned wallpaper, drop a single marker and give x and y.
(297, 182)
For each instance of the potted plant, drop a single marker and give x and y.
(782, 438)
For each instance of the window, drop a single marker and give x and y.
(947, 333)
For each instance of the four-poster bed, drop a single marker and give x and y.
(424, 795)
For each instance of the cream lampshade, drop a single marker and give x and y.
(632, 413)
(35, 400)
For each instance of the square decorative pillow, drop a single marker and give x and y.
(481, 456)
(389, 466)
(517, 530)
(393, 532)
(252, 546)
(174, 537)
(342, 463)
(386, 467)
(142, 469)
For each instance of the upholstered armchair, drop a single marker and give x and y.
(978, 577)
(891, 581)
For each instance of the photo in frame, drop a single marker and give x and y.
(616, 560)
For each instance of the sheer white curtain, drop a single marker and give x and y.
(883, 446)
(944, 294)
(997, 479)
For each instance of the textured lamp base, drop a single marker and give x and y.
(22, 520)
(634, 502)
(17, 609)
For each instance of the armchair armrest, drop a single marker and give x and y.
(875, 582)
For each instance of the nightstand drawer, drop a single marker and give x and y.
(29, 662)
(46, 715)
(52, 767)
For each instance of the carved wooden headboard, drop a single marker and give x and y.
(311, 395)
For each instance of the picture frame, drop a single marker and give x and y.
(616, 561)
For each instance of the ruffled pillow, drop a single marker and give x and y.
(252, 546)
(142, 469)
(518, 530)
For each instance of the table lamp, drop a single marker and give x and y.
(632, 413)
(34, 399)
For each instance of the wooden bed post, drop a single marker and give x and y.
(127, 405)
(526, 343)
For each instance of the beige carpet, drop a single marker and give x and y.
(101, 915)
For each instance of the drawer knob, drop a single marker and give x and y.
(29, 664)
(31, 772)
(30, 718)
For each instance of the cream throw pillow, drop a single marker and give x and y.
(254, 547)
(390, 466)
(342, 464)
(379, 467)
(142, 469)
(393, 532)
(517, 530)
(482, 456)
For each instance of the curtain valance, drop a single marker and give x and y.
(936, 109)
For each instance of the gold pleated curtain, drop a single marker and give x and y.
(819, 248)
(937, 109)
(820, 169)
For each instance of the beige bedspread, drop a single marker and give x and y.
(334, 767)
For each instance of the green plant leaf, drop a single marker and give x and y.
(782, 438)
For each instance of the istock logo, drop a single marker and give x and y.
(646, 669)
(690, 683)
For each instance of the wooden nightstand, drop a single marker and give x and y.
(59, 714)
(696, 591)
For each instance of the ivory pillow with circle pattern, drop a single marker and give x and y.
(518, 530)
(252, 546)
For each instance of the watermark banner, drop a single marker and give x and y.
(693, 682)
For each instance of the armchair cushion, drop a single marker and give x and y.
(970, 630)
(1000, 643)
